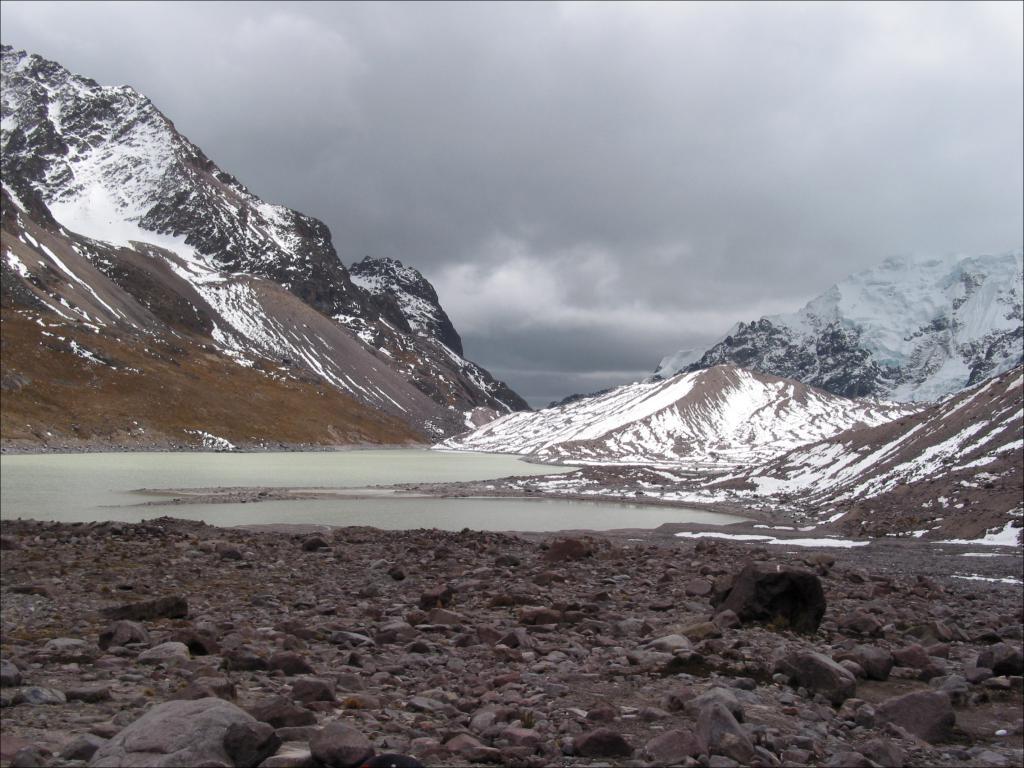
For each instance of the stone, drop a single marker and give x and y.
(248, 744)
(1002, 659)
(672, 747)
(82, 747)
(472, 750)
(313, 543)
(533, 615)
(819, 674)
(173, 607)
(723, 696)
(280, 712)
(200, 643)
(670, 643)
(70, 650)
(10, 675)
(926, 714)
(243, 659)
(306, 689)
(523, 737)
(165, 653)
(602, 742)
(29, 757)
(440, 596)
(291, 755)
(876, 662)
(175, 733)
(122, 633)
(38, 696)
(883, 753)
(89, 693)
(566, 550)
(776, 595)
(290, 663)
(718, 732)
(228, 551)
(702, 631)
(861, 623)
(698, 588)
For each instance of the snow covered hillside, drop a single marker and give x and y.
(115, 221)
(911, 329)
(956, 464)
(720, 417)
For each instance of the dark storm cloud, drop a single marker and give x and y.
(591, 187)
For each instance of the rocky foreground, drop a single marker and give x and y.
(176, 643)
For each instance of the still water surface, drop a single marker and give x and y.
(87, 487)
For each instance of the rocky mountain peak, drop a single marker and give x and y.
(412, 293)
(910, 329)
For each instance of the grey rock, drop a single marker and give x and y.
(82, 747)
(249, 743)
(122, 633)
(718, 732)
(307, 689)
(926, 714)
(1002, 659)
(37, 696)
(673, 747)
(165, 653)
(10, 675)
(175, 733)
(173, 607)
(280, 712)
(819, 674)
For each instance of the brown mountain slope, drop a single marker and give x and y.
(64, 386)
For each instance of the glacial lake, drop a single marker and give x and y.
(100, 486)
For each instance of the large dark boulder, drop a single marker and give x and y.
(926, 714)
(819, 674)
(778, 595)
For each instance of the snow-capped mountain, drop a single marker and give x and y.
(715, 418)
(429, 338)
(115, 221)
(952, 470)
(911, 329)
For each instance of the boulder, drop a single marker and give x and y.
(165, 653)
(290, 663)
(248, 744)
(122, 633)
(306, 689)
(777, 595)
(672, 747)
(1002, 659)
(819, 674)
(173, 607)
(340, 746)
(718, 733)
(280, 712)
(175, 733)
(564, 550)
(602, 742)
(38, 696)
(926, 714)
(10, 675)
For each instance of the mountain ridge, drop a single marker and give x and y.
(909, 329)
(115, 221)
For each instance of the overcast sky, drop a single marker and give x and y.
(592, 187)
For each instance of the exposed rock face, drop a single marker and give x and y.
(909, 329)
(775, 594)
(112, 218)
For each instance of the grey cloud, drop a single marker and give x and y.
(665, 170)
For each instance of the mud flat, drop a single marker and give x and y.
(474, 647)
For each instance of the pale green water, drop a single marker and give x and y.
(87, 487)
